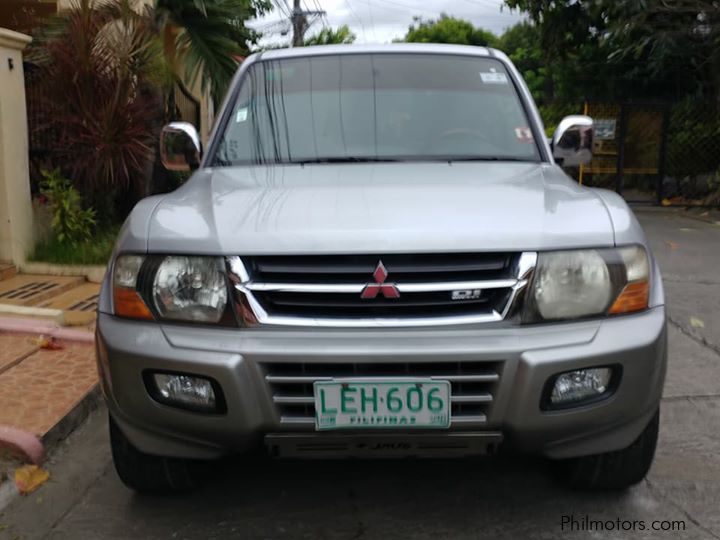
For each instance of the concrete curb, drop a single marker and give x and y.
(686, 212)
(55, 315)
(704, 219)
(58, 316)
(93, 273)
(17, 325)
(23, 444)
(73, 418)
(59, 432)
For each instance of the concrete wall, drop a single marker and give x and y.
(16, 214)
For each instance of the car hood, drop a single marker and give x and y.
(379, 208)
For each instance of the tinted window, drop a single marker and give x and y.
(382, 106)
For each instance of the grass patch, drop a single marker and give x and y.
(97, 250)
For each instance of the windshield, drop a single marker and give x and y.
(376, 107)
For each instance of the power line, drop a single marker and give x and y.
(282, 7)
(362, 26)
(488, 3)
(323, 18)
(389, 4)
(399, 6)
(372, 21)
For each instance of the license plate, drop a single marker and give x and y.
(381, 404)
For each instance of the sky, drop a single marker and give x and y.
(381, 21)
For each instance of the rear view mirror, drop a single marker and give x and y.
(572, 142)
(180, 148)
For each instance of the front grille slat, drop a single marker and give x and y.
(473, 385)
(490, 377)
(294, 379)
(478, 398)
(394, 263)
(297, 420)
(335, 302)
(293, 400)
(430, 286)
(477, 419)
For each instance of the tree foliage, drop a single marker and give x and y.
(328, 36)
(106, 69)
(448, 29)
(626, 49)
(521, 43)
(204, 38)
(675, 42)
(98, 101)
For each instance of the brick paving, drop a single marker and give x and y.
(30, 290)
(13, 349)
(41, 385)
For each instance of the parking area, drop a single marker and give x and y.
(503, 497)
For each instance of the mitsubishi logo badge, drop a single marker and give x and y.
(388, 290)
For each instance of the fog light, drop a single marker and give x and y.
(582, 385)
(185, 391)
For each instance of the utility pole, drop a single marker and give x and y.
(300, 23)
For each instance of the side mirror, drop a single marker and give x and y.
(572, 143)
(180, 148)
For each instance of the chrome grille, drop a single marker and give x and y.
(328, 290)
(473, 385)
(437, 267)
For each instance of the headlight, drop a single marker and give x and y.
(127, 300)
(635, 293)
(571, 284)
(190, 289)
(588, 282)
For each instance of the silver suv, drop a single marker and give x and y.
(380, 255)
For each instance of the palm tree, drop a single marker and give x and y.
(328, 36)
(204, 38)
(107, 66)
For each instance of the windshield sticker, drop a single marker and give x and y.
(524, 134)
(241, 115)
(493, 78)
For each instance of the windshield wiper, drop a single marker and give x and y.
(484, 158)
(349, 159)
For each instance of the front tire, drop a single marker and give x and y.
(613, 470)
(145, 473)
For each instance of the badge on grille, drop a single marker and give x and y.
(466, 294)
(388, 290)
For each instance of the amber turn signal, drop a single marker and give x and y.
(129, 304)
(634, 297)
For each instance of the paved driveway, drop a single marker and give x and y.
(490, 498)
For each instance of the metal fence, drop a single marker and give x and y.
(660, 153)
(692, 165)
(43, 139)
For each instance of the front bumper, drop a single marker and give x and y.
(528, 357)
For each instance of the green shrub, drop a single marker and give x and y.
(96, 250)
(71, 224)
